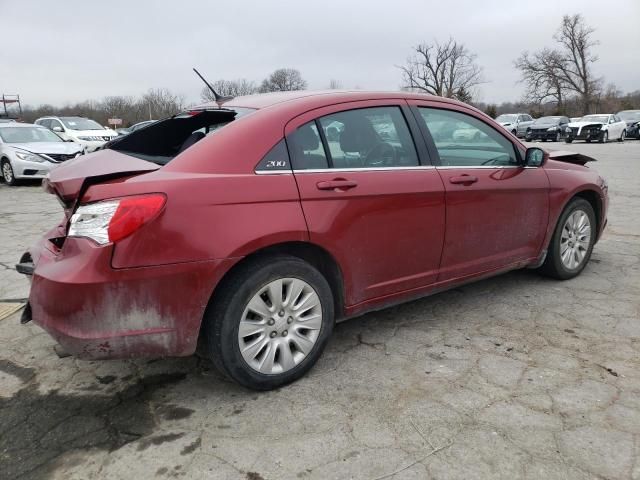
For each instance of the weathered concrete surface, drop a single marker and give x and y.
(515, 377)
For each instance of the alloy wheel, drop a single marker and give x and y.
(7, 172)
(280, 325)
(575, 239)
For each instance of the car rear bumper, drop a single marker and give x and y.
(95, 311)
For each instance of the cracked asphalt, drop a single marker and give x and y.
(514, 377)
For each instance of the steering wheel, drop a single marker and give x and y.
(381, 155)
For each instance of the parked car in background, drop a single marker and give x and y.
(632, 119)
(134, 127)
(88, 133)
(30, 151)
(243, 229)
(597, 128)
(6, 120)
(548, 128)
(516, 123)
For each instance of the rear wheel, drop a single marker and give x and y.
(572, 242)
(7, 173)
(622, 136)
(270, 322)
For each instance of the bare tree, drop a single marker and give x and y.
(544, 80)
(576, 56)
(335, 84)
(557, 73)
(230, 88)
(445, 69)
(283, 80)
(160, 103)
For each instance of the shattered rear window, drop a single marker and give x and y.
(164, 140)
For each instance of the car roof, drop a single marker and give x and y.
(19, 125)
(313, 98)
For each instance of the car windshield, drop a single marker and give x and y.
(506, 118)
(595, 118)
(631, 115)
(79, 123)
(27, 135)
(548, 120)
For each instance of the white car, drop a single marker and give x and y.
(30, 151)
(597, 128)
(88, 133)
(516, 123)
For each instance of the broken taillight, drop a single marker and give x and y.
(114, 219)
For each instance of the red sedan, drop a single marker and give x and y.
(248, 228)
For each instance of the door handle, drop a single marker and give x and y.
(337, 184)
(463, 179)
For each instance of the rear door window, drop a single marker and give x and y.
(377, 137)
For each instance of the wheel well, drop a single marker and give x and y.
(318, 257)
(593, 198)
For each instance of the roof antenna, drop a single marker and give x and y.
(219, 99)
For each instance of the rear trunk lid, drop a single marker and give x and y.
(71, 179)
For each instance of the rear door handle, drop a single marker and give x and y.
(337, 184)
(463, 179)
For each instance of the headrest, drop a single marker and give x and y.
(306, 138)
(358, 136)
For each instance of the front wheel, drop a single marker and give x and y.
(7, 173)
(270, 322)
(605, 137)
(558, 137)
(568, 140)
(572, 242)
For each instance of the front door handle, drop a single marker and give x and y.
(463, 179)
(337, 184)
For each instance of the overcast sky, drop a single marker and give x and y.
(64, 51)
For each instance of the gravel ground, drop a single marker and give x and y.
(513, 377)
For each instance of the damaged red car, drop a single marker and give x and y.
(246, 229)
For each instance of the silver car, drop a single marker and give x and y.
(29, 151)
(516, 123)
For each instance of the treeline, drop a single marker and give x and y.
(160, 102)
(611, 101)
(156, 103)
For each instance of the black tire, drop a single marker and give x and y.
(558, 137)
(568, 140)
(553, 265)
(222, 318)
(604, 138)
(622, 136)
(543, 139)
(6, 164)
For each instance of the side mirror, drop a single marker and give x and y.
(534, 157)
(57, 129)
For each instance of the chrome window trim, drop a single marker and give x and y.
(382, 169)
(273, 172)
(370, 169)
(455, 167)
